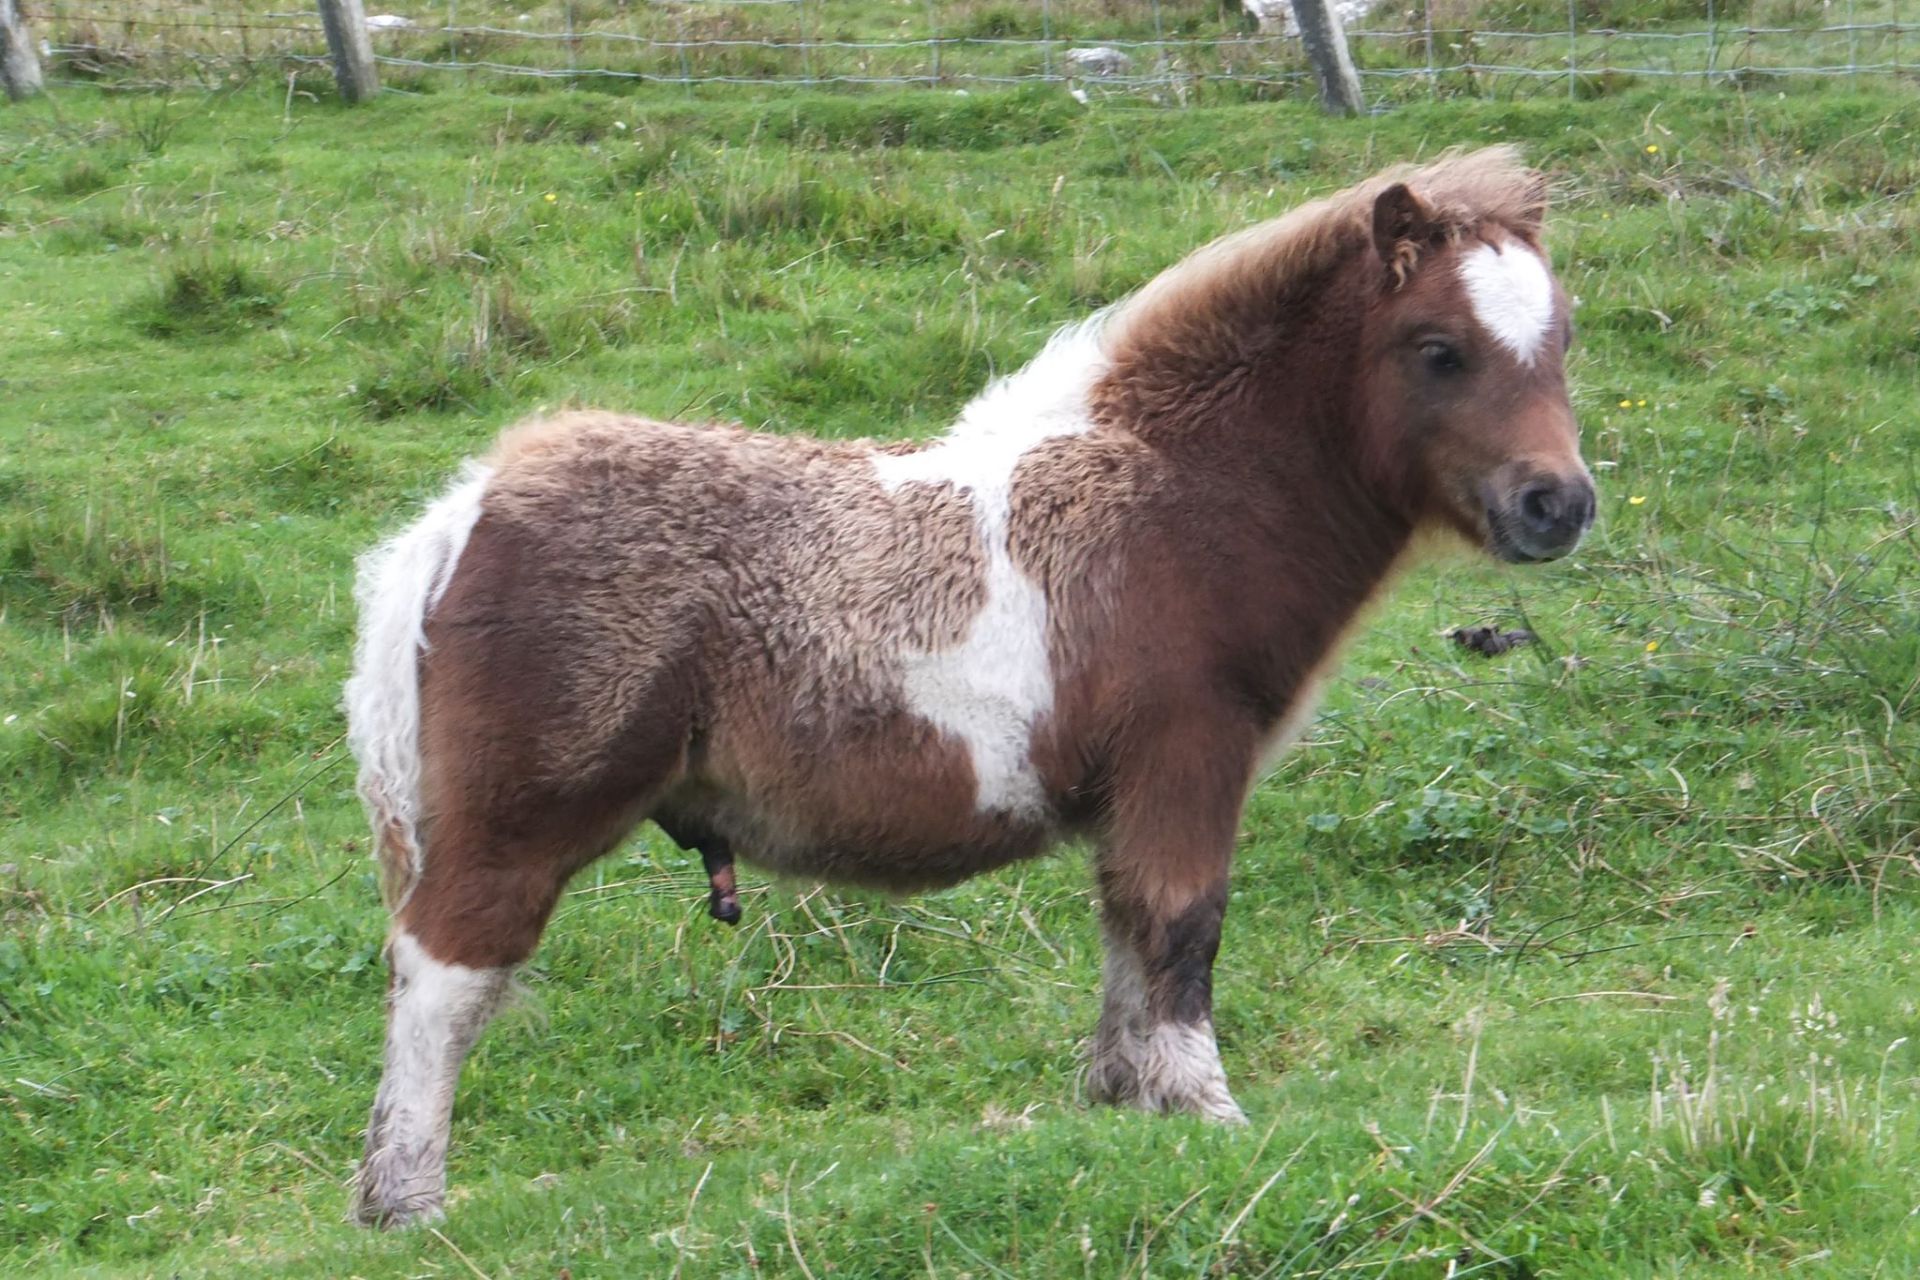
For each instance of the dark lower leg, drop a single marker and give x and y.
(1155, 1047)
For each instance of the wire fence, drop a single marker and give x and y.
(1171, 49)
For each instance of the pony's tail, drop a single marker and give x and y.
(399, 583)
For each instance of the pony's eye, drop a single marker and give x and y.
(1441, 357)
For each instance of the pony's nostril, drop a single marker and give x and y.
(1580, 508)
(1540, 507)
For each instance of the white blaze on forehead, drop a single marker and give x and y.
(991, 688)
(1512, 295)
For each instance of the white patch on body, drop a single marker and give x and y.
(1163, 1066)
(992, 687)
(1512, 295)
(434, 1014)
(399, 583)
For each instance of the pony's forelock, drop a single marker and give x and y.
(1197, 306)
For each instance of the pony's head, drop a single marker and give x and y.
(1411, 323)
(1463, 412)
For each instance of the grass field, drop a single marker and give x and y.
(1593, 960)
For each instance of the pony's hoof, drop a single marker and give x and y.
(384, 1201)
(391, 1215)
(1223, 1111)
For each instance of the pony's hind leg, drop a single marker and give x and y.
(506, 740)
(435, 1012)
(475, 914)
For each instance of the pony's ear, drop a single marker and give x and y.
(1401, 223)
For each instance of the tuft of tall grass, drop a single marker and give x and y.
(467, 359)
(59, 564)
(207, 295)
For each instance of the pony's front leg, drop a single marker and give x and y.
(1163, 884)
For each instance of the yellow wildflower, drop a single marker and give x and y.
(1653, 149)
(1626, 404)
(550, 197)
(1652, 645)
(1638, 499)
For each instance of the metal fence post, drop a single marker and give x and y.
(806, 43)
(19, 63)
(933, 37)
(1433, 69)
(1713, 36)
(1326, 45)
(1046, 40)
(1573, 51)
(573, 50)
(347, 40)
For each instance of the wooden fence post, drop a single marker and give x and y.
(347, 40)
(19, 62)
(1326, 44)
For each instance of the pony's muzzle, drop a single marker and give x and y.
(1541, 519)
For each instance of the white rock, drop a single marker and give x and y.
(388, 22)
(1100, 60)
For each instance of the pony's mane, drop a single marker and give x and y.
(1203, 303)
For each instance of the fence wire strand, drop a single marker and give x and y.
(1129, 46)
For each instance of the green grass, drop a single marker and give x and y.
(1592, 960)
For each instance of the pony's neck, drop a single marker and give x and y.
(1208, 372)
(1269, 387)
(1263, 429)
(1323, 545)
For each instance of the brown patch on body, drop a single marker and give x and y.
(731, 608)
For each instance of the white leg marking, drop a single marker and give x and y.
(1119, 1046)
(1512, 295)
(992, 687)
(434, 1014)
(1182, 1072)
(399, 583)
(1155, 1066)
